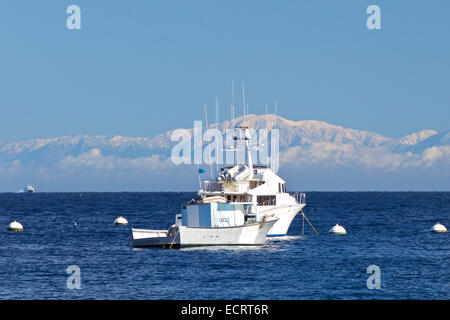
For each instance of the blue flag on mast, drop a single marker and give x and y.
(201, 171)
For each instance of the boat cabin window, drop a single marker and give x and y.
(281, 188)
(266, 200)
(255, 183)
(238, 198)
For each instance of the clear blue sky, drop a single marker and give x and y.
(139, 68)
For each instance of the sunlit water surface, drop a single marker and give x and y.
(390, 230)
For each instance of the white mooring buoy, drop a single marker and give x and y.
(15, 226)
(438, 228)
(121, 221)
(337, 229)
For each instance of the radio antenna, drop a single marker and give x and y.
(243, 99)
(267, 148)
(207, 127)
(217, 142)
(232, 102)
(276, 119)
(273, 127)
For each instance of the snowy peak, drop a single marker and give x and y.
(439, 139)
(305, 134)
(309, 131)
(415, 138)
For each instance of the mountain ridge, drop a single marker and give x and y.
(292, 134)
(312, 154)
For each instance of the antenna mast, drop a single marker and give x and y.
(275, 124)
(267, 128)
(207, 127)
(276, 104)
(232, 120)
(232, 102)
(243, 99)
(217, 142)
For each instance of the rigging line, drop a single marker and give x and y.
(174, 238)
(308, 221)
(303, 226)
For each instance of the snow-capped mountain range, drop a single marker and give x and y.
(296, 137)
(313, 154)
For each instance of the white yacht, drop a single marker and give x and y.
(29, 189)
(242, 206)
(261, 187)
(257, 185)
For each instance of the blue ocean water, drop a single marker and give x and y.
(390, 230)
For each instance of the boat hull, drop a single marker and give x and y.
(285, 216)
(181, 236)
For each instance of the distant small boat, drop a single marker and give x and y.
(29, 189)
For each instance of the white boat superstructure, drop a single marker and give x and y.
(266, 192)
(29, 189)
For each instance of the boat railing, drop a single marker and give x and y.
(300, 197)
